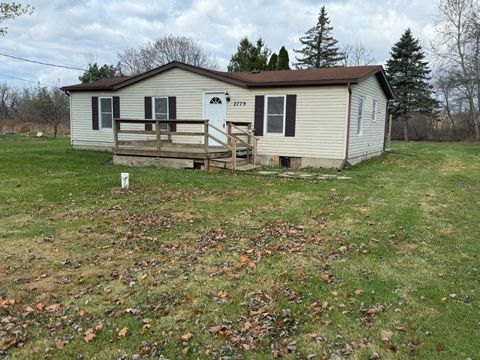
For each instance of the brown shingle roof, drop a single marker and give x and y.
(308, 77)
(103, 84)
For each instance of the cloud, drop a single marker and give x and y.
(71, 32)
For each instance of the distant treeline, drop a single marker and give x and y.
(38, 108)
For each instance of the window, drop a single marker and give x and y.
(374, 110)
(215, 100)
(106, 112)
(160, 110)
(275, 114)
(361, 105)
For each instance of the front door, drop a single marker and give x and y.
(215, 111)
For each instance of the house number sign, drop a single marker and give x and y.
(239, 103)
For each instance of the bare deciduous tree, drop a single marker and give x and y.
(457, 52)
(162, 51)
(37, 106)
(357, 55)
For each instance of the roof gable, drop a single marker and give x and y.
(305, 77)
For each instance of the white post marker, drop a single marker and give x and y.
(125, 182)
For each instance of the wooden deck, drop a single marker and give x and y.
(240, 146)
(184, 152)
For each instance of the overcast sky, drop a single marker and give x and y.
(71, 32)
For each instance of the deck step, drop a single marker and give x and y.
(247, 167)
(226, 163)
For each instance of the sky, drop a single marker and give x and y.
(73, 33)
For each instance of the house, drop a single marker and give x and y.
(305, 118)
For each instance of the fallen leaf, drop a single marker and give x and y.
(82, 313)
(385, 335)
(389, 345)
(145, 328)
(53, 308)
(325, 278)
(222, 294)
(215, 329)
(123, 331)
(145, 350)
(89, 335)
(359, 292)
(40, 306)
(186, 337)
(7, 344)
(243, 258)
(60, 344)
(375, 309)
(6, 303)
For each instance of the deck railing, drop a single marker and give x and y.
(162, 142)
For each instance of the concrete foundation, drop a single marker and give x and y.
(299, 162)
(357, 159)
(140, 161)
(93, 147)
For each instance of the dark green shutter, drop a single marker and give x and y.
(259, 114)
(95, 123)
(290, 114)
(172, 111)
(148, 112)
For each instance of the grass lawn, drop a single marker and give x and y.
(190, 264)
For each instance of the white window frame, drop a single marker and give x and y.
(374, 110)
(360, 115)
(265, 115)
(100, 111)
(154, 112)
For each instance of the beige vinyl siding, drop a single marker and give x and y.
(320, 113)
(320, 123)
(186, 86)
(371, 138)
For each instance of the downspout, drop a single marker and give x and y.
(347, 138)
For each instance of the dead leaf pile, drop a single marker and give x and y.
(259, 320)
(283, 237)
(210, 240)
(369, 318)
(146, 221)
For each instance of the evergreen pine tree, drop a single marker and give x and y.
(94, 72)
(283, 59)
(273, 62)
(408, 74)
(249, 57)
(319, 48)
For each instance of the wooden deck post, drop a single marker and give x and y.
(249, 142)
(157, 132)
(254, 150)
(229, 132)
(205, 135)
(234, 155)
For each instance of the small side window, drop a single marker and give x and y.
(275, 114)
(160, 111)
(374, 110)
(361, 105)
(106, 112)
